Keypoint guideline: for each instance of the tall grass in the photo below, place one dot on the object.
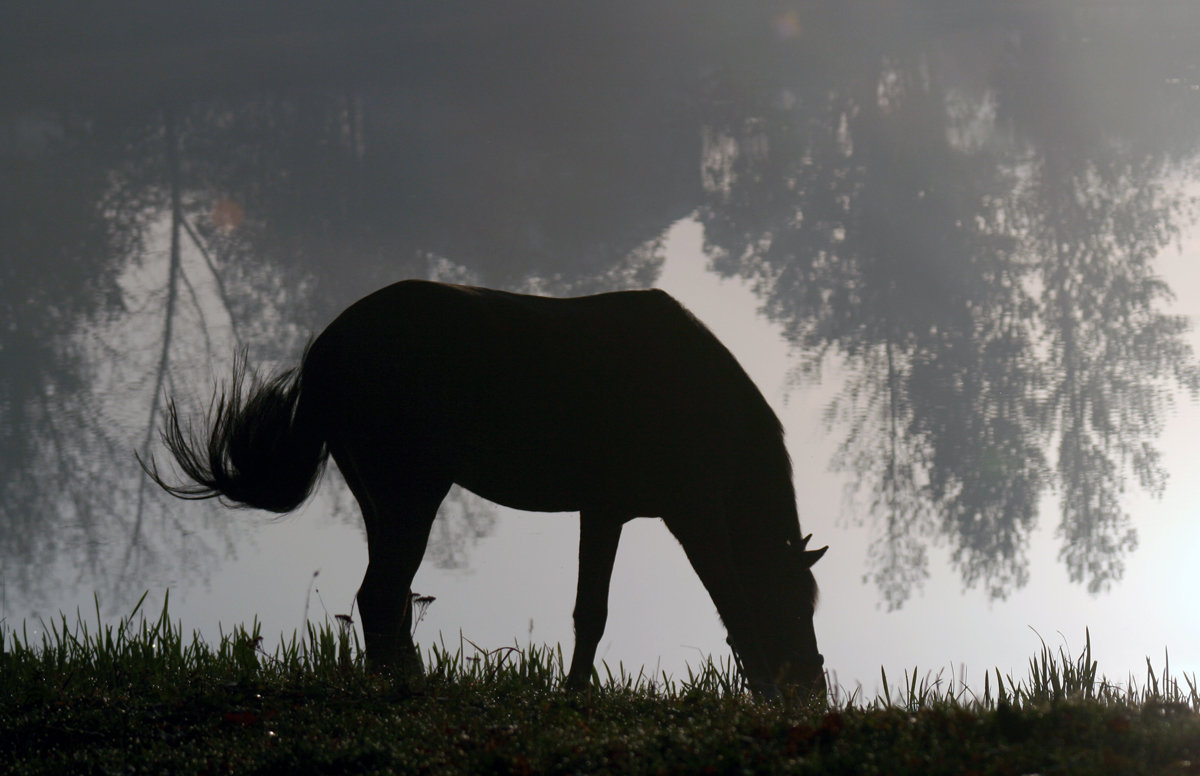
(1054, 676)
(153, 653)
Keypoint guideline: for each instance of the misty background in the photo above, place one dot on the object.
(954, 244)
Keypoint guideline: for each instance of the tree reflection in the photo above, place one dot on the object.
(463, 519)
(159, 228)
(988, 283)
(69, 486)
(962, 204)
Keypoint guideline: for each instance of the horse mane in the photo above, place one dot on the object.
(775, 461)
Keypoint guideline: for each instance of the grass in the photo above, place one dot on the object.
(140, 698)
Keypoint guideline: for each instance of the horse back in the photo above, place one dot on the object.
(622, 399)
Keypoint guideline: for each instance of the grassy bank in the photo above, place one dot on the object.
(141, 698)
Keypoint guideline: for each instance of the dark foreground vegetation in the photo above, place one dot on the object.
(139, 698)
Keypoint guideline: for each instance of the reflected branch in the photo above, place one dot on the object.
(216, 276)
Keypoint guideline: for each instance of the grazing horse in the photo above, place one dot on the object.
(617, 406)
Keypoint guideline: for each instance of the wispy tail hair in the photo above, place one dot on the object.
(261, 450)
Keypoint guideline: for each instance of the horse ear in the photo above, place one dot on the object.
(812, 556)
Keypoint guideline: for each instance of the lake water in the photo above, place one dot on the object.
(956, 250)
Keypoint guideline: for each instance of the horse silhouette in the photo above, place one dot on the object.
(617, 405)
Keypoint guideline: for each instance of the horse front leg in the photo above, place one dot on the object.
(599, 534)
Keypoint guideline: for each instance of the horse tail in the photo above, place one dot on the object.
(263, 450)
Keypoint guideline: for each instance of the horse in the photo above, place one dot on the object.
(615, 406)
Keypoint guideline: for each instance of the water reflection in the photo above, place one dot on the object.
(961, 207)
(980, 256)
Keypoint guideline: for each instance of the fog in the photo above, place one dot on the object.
(955, 247)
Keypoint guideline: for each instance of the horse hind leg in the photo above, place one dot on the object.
(398, 518)
(599, 534)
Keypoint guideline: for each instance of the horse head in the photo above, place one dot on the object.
(787, 660)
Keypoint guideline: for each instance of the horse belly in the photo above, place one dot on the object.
(637, 467)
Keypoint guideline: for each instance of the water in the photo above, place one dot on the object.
(933, 239)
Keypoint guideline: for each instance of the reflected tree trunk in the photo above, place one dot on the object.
(174, 271)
